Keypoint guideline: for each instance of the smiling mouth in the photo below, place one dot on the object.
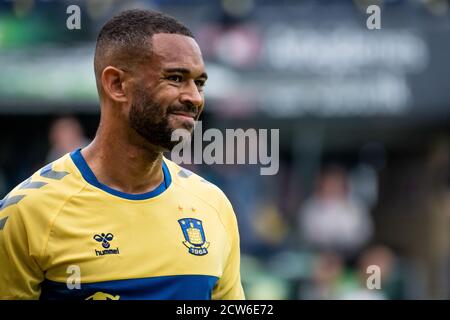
(184, 114)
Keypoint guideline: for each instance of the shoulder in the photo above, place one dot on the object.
(199, 187)
(29, 211)
(44, 192)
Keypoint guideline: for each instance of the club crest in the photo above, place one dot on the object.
(194, 236)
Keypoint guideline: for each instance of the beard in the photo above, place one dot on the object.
(151, 120)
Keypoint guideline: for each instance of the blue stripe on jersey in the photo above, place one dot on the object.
(181, 287)
(90, 177)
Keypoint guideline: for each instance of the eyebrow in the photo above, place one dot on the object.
(184, 71)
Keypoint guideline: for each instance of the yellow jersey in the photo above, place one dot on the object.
(65, 235)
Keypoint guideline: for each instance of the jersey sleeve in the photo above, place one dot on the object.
(20, 273)
(229, 286)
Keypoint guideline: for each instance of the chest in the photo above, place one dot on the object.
(113, 241)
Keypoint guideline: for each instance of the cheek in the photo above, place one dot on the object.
(151, 107)
(165, 99)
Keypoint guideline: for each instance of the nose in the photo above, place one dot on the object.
(191, 95)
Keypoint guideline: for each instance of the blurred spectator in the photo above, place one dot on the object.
(331, 279)
(327, 273)
(333, 221)
(380, 257)
(270, 226)
(66, 135)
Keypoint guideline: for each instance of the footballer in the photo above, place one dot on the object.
(117, 220)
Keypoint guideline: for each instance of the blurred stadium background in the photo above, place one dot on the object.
(364, 119)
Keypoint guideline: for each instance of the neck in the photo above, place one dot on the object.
(123, 161)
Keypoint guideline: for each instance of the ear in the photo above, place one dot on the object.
(113, 83)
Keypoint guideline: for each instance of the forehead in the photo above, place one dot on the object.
(177, 51)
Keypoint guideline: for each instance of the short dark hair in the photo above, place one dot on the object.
(126, 38)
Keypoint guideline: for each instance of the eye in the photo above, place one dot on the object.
(175, 78)
(200, 83)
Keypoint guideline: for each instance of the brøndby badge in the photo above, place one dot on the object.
(194, 236)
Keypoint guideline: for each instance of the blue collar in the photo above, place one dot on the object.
(89, 176)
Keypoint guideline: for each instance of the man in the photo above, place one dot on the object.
(65, 135)
(116, 220)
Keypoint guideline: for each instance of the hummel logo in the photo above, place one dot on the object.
(105, 239)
